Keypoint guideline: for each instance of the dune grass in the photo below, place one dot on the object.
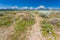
(21, 27)
(5, 20)
(22, 24)
(46, 28)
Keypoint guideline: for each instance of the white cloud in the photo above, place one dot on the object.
(14, 7)
(41, 6)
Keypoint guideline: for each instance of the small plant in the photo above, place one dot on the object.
(46, 28)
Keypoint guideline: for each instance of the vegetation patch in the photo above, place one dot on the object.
(48, 29)
(5, 20)
(22, 26)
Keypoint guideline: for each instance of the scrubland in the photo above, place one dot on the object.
(30, 25)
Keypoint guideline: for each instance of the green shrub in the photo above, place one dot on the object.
(46, 28)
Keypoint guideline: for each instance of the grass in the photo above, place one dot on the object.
(22, 25)
(54, 15)
(54, 35)
(49, 39)
(6, 21)
(46, 28)
(6, 18)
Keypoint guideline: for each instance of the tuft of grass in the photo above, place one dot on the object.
(54, 35)
(49, 39)
(46, 28)
(5, 20)
(22, 25)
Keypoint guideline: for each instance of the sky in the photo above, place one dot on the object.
(29, 3)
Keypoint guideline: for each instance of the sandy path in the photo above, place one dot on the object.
(35, 32)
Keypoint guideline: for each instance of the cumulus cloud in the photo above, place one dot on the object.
(41, 6)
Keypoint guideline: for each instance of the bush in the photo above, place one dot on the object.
(43, 15)
(47, 28)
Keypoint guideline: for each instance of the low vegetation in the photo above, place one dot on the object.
(54, 14)
(6, 19)
(24, 20)
(22, 25)
(50, 24)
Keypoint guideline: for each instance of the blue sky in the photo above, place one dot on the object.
(29, 3)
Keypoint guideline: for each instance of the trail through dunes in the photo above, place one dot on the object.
(35, 32)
